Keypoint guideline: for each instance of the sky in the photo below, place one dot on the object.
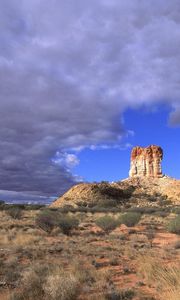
(81, 83)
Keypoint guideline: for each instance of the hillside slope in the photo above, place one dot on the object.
(137, 191)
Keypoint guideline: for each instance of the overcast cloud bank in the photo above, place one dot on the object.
(68, 71)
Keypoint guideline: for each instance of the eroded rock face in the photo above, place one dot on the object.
(146, 162)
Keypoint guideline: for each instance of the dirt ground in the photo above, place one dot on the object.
(139, 262)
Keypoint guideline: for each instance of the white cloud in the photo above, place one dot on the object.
(114, 146)
(66, 160)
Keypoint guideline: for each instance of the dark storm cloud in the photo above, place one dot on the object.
(68, 69)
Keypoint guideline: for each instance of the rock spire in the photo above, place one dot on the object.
(146, 162)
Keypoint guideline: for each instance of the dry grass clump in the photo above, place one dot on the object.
(165, 278)
(11, 272)
(90, 278)
(32, 284)
(64, 286)
(54, 282)
(12, 238)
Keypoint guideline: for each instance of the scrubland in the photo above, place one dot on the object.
(81, 254)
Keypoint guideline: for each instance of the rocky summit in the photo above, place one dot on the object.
(146, 161)
(146, 185)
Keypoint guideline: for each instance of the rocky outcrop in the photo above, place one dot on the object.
(146, 186)
(135, 191)
(91, 194)
(146, 162)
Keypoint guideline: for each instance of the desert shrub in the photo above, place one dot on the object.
(67, 208)
(2, 207)
(97, 209)
(107, 223)
(176, 210)
(110, 191)
(141, 210)
(34, 206)
(113, 261)
(46, 220)
(152, 198)
(10, 271)
(106, 203)
(15, 212)
(16, 205)
(64, 286)
(129, 218)
(150, 233)
(174, 225)
(44, 282)
(82, 204)
(120, 295)
(114, 192)
(161, 214)
(67, 223)
(83, 209)
(32, 284)
(177, 245)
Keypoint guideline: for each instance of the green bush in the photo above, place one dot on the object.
(67, 223)
(107, 223)
(15, 212)
(174, 225)
(129, 219)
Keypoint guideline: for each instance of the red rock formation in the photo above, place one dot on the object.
(146, 162)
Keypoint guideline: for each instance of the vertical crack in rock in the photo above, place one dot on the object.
(146, 162)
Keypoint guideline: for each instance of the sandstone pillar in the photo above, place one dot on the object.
(146, 162)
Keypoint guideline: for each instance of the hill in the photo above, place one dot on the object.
(133, 191)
